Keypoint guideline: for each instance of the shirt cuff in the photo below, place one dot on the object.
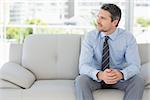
(125, 75)
(94, 73)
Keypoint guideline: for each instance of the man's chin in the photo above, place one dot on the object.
(101, 30)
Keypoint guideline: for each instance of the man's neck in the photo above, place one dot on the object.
(111, 31)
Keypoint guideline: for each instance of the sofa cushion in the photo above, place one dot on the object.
(11, 94)
(52, 56)
(7, 85)
(50, 90)
(144, 51)
(145, 70)
(17, 75)
(15, 53)
(65, 90)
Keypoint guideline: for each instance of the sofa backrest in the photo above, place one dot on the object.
(144, 51)
(55, 56)
(52, 56)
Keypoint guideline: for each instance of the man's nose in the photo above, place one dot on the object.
(98, 20)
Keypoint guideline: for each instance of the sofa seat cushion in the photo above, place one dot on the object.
(50, 90)
(59, 90)
(11, 94)
(65, 90)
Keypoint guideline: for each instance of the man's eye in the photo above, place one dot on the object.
(102, 18)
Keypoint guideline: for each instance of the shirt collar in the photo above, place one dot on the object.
(112, 36)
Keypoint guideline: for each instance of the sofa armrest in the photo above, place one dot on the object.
(145, 70)
(16, 74)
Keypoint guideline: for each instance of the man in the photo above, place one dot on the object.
(109, 59)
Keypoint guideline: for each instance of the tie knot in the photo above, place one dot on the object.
(106, 38)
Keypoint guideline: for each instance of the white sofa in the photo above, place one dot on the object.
(44, 67)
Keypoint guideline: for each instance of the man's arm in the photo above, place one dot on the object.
(132, 58)
(86, 65)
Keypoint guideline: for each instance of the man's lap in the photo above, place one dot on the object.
(121, 85)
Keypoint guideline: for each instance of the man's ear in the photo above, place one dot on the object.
(115, 22)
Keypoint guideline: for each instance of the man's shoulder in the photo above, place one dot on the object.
(125, 36)
(92, 34)
(124, 32)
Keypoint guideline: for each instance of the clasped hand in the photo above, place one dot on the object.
(110, 76)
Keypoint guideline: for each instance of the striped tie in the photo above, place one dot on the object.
(105, 60)
(105, 55)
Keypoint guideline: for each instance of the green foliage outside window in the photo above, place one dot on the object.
(35, 22)
(143, 22)
(20, 33)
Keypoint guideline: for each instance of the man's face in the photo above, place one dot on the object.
(104, 21)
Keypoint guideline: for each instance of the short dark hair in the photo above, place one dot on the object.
(114, 10)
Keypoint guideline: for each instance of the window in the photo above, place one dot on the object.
(19, 18)
(32, 16)
(141, 25)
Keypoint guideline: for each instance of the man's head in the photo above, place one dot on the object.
(108, 17)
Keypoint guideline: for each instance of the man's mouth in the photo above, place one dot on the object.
(99, 24)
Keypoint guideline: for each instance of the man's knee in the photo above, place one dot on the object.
(82, 80)
(138, 80)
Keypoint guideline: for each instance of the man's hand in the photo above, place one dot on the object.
(118, 74)
(110, 76)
